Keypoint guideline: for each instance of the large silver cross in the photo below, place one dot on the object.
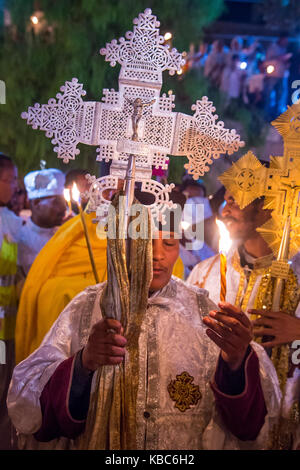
(110, 124)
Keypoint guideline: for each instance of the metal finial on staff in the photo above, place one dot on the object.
(281, 261)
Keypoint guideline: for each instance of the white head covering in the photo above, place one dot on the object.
(44, 183)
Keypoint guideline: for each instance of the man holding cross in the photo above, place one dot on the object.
(200, 384)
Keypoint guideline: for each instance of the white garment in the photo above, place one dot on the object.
(10, 225)
(33, 239)
(234, 84)
(196, 210)
(172, 341)
(232, 81)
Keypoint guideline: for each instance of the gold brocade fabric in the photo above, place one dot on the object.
(111, 421)
(281, 435)
(242, 300)
(289, 300)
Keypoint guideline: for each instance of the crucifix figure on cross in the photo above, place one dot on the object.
(138, 107)
(110, 124)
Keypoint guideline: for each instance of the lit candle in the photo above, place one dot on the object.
(224, 246)
(223, 270)
(76, 198)
(67, 197)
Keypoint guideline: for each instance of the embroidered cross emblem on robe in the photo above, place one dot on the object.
(184, 392)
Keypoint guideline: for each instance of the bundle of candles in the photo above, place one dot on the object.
(74, 195)
(224, 247)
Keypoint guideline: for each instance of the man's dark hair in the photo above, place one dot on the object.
(5, 162)
(72, 175)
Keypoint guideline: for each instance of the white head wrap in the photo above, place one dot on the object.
(44, 183)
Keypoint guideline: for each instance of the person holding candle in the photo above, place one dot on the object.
(248, 261)
(45, 189)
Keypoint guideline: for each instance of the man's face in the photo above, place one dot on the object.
(17, 202)
(49, 211)
(8, 183)
(165, 253)
(242, 223)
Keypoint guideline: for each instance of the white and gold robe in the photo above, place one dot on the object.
(242, 285)
(172, 341)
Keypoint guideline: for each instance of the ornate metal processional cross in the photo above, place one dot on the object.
(112, 123)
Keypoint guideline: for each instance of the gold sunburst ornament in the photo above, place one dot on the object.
(184, 392)
(248, 179)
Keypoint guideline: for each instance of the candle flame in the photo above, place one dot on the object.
(225, 241)
(34, 19)
(67, 195)
(75, 193)
(185, 225)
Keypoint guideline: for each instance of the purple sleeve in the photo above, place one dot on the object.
(57, 420)
(244, 412)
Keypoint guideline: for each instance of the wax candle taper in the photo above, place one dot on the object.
(224, 246)
(67, 196)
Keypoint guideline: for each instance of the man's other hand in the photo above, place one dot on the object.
(231, 330)
(283, 327)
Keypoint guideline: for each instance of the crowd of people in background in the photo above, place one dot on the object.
(45, 214)
(249, 71)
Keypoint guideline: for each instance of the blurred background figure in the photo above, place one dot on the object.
(196, 60)
(190, 251)
(48, 207)
(236, 49)
(215, 63)
(255, 87)
(251, 54)
(18, 201)
(277, 67)
(232, 83)
(10, 227)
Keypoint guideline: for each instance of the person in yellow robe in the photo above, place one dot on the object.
(61, 270)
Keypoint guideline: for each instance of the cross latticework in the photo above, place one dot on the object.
(108, 124)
